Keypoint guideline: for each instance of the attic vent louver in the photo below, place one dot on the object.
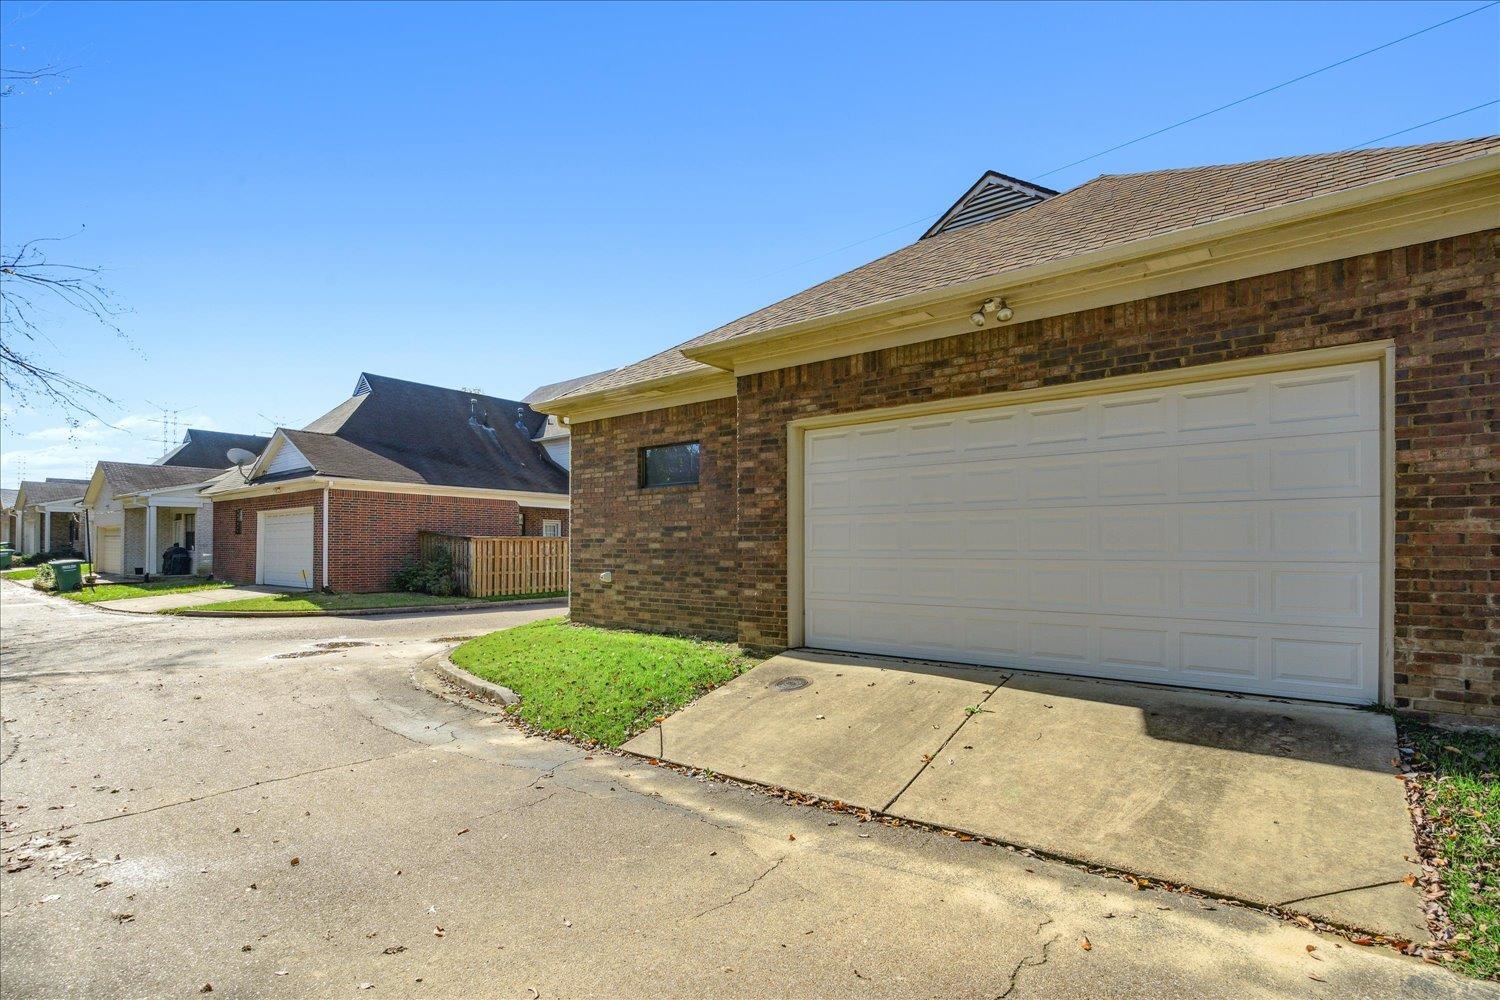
(363, 387)
(992, 197)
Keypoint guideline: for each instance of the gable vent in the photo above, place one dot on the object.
(363, 387)
(992, 197)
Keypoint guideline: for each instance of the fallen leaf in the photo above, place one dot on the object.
(394, 949)
(462, 832)
(790, 836)
(296, 862)
(1087, 945)
(438, 932)
(206, 988)
(1409, 879)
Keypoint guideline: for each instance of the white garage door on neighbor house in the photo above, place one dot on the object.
(1222, 534)
(284, 548)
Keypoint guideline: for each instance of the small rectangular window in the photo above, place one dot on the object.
(551, 529)
(239, 521)
(669, 465)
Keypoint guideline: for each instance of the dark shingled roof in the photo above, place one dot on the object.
(1107, 212)
(202, 449)
(130, 477)
(557, 389)
(46, 491)
(407, 432)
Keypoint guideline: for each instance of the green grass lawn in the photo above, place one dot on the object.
(598, 683)
(1461, 796)
(24, 573)
(350, 602)
(124, 591)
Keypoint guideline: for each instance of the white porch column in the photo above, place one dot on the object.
(153, 557)
(46, 530)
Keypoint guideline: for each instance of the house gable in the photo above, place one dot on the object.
(284, 457)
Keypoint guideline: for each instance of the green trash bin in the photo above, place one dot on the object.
(68, 573)
(5, 555)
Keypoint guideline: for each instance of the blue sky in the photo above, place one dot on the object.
(285, 195)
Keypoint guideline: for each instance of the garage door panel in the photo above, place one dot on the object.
(1334, 530)
(1315, 467)
(1333, 400)
(1222, 535)
(285, 547)
(1278, 593)
(1296, 661)
(111, 554)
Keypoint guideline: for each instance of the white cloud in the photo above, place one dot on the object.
(72, 451)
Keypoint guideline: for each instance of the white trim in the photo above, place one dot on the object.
(1382, 351)
(557, 501)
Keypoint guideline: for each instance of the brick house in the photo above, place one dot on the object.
(1226, 427)
(337, 505)
(46, 517)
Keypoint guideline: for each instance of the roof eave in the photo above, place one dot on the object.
(724, 354)
(677, 389)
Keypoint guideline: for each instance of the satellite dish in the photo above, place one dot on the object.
(240, 456)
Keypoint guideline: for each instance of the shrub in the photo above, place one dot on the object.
(45, 579)
(427, 576)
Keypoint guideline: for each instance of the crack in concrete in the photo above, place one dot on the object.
(943, 746)
(222, 791)
(1340, 892)
(1029, 961)
(743, 892)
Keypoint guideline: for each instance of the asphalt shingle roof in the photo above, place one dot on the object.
(562, 388)
(48, 490)
(407, 432)
(202, 449)
(1109, 211)
(129, 477)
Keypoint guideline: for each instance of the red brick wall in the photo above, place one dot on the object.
(234, 555)
(672, 548)
(1437, 301)
(532, 518)
(375, 534)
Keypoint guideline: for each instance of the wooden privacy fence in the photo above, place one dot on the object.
(501, 566)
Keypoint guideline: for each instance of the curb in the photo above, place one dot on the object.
(476, 686)
(427, 609)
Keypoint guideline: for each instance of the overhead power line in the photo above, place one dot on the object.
(1188, 121)
(1272, 89)
(1413, 128)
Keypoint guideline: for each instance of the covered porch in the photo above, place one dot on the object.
(162, 533)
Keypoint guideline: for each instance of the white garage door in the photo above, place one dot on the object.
(1222, 535)
(286, 548)
(111, 555)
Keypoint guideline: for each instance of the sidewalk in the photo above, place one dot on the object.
(171, 602)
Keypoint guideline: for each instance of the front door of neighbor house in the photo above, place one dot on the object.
(1222, 534)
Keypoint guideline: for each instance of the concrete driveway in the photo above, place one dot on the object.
(161, 774)
(1278, 803)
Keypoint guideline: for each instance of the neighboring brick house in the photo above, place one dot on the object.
(1225, 427)
(338, 505)
(46, 516)
(135, 513)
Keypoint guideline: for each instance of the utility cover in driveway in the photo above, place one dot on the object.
(1279, 803)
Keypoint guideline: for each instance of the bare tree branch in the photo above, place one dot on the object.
(30, 282)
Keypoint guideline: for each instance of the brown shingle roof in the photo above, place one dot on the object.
(1109, 211)
(132, 477)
